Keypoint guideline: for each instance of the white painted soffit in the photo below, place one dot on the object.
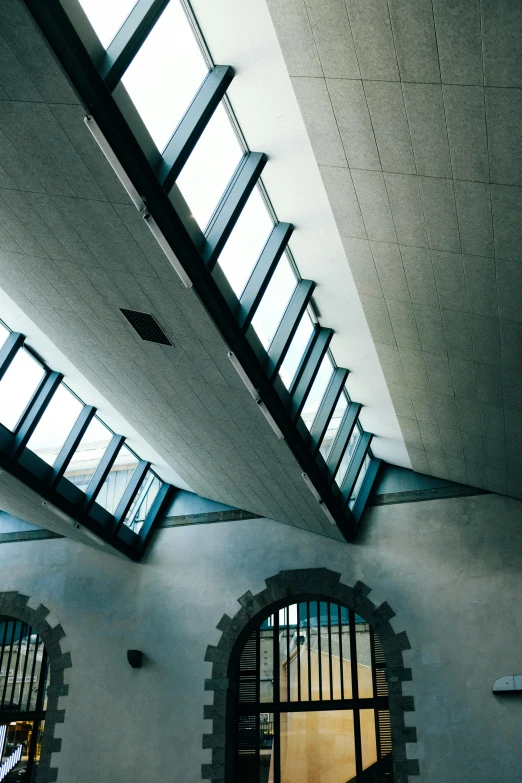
(241, 33)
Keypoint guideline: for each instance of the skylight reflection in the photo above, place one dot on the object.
(210, 167)
(55, 425)
(296, 351)
(17, 387)
(239, 256)
(315, 397)
(107, 17)
(274, 302)
(165, 75)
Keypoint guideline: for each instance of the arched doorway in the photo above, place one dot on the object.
(24, 680)
(312, 698)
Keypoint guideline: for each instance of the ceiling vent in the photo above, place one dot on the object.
(146, 326)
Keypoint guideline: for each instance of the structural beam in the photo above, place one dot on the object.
(193, 124)
(327, 407)
(103, 470)
(229, 209)
(130, 493)
(366, 488)
(288, 326)
(128, 40)
(356, 464)
(71, 444)
(308, 369)
(151, 520)
(262, 273)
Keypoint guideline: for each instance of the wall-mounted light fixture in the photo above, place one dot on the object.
(135, 658)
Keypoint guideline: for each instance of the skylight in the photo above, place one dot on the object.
(107, 17)
(317, 392)
(274, 302)
(17, 387)
(296, 351)
(166, 74)
(55, 425)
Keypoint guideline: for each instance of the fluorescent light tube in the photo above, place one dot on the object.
(311, 487)
(57, 511)
(162, 242)
(270, 419)
(113, 160)
(244, 377)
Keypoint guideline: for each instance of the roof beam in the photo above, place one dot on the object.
(356, 464)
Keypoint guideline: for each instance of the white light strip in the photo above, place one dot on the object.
(311, 487)
(318, 497)
(113, 160)
(268, 416)
(255, 394)
(162, 242)
(244, 377)
(57, 511)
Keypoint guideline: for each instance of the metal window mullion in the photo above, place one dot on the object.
(149, 524)
(127, 41)
(130, 493)
(9, 351)
(288, 326)
(327, 407)
(35, 411)
(103, 470)
(262, 273)
(26, 662)
(231, 205)
(194, 122)
(277, 700)
(355, 694)
(4, 692)
(308, 369)
(355, 465)
(365, 489)
(342, 438)
(17, 664)
(65, 455)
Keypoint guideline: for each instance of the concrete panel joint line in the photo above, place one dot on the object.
(285, 587)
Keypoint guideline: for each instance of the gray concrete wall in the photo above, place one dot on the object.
(449, 568)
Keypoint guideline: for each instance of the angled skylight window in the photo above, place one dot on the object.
(296, 351)
(17, 387)
(210, 167)
(107, 17)
(316, 394)
(116, 482)
(166, 73)
(247, 240)
(358, 483)
(4, 334)
(143, 502)
(347, 457)
(55, 425)
(274, 302)
(87, 456)
(333, 425)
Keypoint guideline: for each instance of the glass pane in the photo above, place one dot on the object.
(316, 394)
(116, 482)
(209, 169)
(266, 668)
(165, 75)
(347, 456)
(360, 479)
(317, 746)
(364, 658)
(87, 456)
(333, 425)
(107, 18)
(143, 501)
(246, 242)
(368, 738)
(266, 733)
(296, 351)
(17, 387)
(15, 743)
(55, 425)
(4, 334)
(274, 302)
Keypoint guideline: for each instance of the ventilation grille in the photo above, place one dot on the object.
(248, 670)
(146, 326)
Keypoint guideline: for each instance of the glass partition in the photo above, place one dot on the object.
(18, 386)
(56, 424)
(210, 167)
(166, 73)
(107, 17)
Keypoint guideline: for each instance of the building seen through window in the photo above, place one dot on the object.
(312, 700)
(24, 679)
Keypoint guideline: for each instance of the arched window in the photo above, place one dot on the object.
(312, 699)
(24, 679)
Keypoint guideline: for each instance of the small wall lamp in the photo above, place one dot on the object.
(135, 658)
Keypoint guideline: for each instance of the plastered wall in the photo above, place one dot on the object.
(451, 570)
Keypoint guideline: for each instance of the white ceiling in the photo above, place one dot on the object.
(414, 112)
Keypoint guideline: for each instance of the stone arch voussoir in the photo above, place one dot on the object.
(15, 605)
(294, 584)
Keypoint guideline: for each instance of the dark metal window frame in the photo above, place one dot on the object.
(149, 178)
(49, 481)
